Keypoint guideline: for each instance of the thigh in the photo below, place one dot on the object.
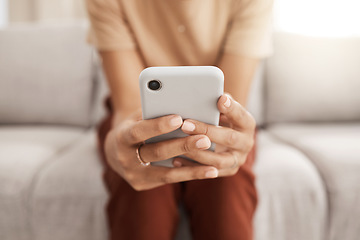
(223, 208)
(150, 214)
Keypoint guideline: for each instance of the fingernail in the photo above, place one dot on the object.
(203, 143)
(227, 102)
(176, 121)
(213, 173)
(188, 126)
(177, 163)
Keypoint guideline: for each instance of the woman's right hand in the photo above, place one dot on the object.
(124, 138)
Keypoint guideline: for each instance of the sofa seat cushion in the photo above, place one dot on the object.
(292, 199)
(335, 150)
(69, 194)
(24, 151)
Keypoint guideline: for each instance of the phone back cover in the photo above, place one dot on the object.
(189, 91)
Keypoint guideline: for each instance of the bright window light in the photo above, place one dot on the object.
(325, 18)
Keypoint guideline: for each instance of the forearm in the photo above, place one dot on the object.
(122, 69)
(239, 72)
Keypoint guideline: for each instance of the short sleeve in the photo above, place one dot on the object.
(108, 27)
(249, 32)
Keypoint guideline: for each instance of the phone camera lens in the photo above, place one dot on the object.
(154, 85)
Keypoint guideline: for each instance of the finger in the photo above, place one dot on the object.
(154, 152)
(224, 121)
(183, 162)
(142, 130)
(173, 175)
(221, 135)
(237, 114)
(223, 160)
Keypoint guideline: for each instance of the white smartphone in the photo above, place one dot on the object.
(189, 91)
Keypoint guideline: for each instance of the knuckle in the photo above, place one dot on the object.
(233, 171)
(134, 134)
(130, 178)
(242, 161)
(206, 129)
(158, 152)
(197, 175)
(219, 164)
(123, 161)
(117, 135)
(160, 127)
(186, 146)
(136, 183)
(166, 178)
(232, 139)
(193, 154)
(248, 145)
(201, 128)
(137, 187)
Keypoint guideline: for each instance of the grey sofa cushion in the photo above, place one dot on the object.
(45, 75)
(69, 197)
(335, 150)
(292, 199)
(23, 152)
(313, 79)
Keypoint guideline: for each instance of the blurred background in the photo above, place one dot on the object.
(335, 18)
(305, 99)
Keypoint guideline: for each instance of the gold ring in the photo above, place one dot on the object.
(142, 162)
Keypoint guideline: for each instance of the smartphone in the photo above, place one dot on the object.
(189, 91)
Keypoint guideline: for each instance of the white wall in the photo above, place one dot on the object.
(3, 13)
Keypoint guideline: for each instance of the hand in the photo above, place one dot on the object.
(233, 142)
(123, 140)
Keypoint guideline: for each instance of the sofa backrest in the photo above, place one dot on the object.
(313, 79)
(50, 75)
(46, 75)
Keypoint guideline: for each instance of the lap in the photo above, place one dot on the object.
(227, 202)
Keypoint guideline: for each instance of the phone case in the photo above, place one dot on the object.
(189, 91)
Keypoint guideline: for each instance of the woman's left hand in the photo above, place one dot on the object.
(234, 138)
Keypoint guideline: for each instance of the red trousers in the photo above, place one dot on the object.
(221, 208)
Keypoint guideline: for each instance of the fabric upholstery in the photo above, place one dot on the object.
(69, 193)
(313, 79)
(24, 151)
(50, 177)
(68, 199)
(46, 75)
(292, 199)
(335, 150)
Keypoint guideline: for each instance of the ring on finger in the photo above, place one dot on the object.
(142, 162)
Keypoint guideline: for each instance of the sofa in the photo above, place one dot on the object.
(305, 99)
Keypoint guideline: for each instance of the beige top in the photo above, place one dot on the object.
(182, 32)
